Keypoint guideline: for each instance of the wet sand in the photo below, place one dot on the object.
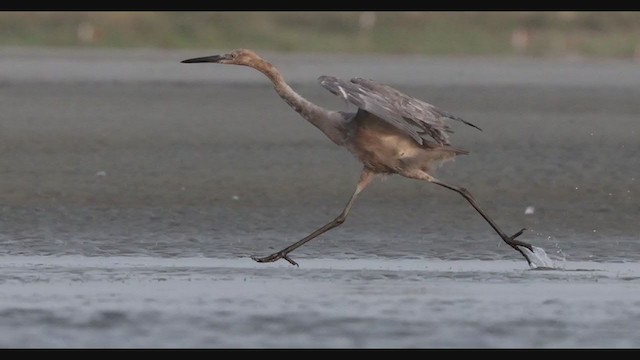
(181, 172)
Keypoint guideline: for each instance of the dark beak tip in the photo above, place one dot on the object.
(206, 59)
(191, 61)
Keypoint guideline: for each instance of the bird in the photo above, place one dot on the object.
(390, 133)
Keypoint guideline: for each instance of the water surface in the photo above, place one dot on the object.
(135, 188)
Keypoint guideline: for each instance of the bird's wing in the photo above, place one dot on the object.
(414, 117)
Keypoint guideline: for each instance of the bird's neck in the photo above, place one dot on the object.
(325, 120)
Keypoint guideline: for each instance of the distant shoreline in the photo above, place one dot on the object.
(535, 34)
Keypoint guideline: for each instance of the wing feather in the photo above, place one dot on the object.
(414, 117)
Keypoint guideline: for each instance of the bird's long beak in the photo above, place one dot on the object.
(208, 59)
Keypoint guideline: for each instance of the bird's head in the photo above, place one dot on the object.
(236, 57)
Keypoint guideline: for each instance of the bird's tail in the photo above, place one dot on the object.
(446, 147)
(457, 150)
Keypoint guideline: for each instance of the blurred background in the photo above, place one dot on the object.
(100, 117)
(567, 33)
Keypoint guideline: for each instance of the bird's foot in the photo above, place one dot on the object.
(275, 257)
(513, 242)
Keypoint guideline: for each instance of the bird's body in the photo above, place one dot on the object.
(390, 133)
(382, 148)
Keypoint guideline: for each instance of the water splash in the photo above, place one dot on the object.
(539, 259)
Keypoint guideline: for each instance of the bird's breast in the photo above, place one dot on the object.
(381, 146)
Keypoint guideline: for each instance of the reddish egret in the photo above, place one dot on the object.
(391, 133)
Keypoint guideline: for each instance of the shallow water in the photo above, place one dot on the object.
(135, 188)
(367, 302)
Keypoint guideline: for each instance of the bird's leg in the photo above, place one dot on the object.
(510, 240)
(365, 179)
